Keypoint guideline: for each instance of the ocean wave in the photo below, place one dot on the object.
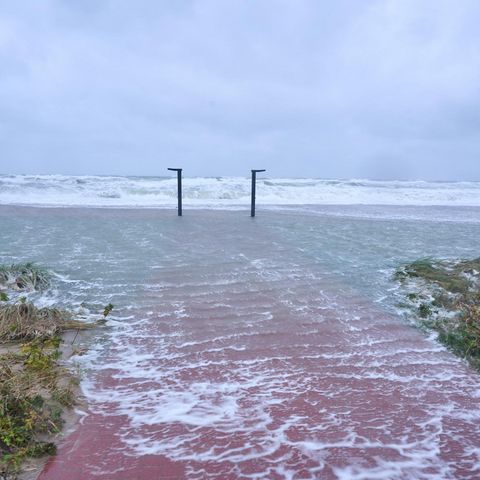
(218, 192)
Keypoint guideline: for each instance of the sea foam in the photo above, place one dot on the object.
(223, 192)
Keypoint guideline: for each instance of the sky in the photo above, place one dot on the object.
(380, 89)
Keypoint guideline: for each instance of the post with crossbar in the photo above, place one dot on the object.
(179, 188)
(254, 180)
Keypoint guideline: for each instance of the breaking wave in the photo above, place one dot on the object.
(226, 192)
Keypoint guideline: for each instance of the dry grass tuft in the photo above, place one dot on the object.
(24, 321)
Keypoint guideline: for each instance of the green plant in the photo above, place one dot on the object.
(41, 354)
(107, 310)
(424, 310)
(30, 402)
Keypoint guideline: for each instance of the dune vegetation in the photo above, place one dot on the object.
(444, 296)
(35, 386)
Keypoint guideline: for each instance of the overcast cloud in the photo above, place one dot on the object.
(333, 88)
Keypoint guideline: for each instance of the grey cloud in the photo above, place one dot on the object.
(384, 88)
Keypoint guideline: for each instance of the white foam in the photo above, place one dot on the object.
(227, 192)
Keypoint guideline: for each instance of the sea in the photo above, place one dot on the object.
(271, 347)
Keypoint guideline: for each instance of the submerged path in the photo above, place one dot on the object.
(247, 361)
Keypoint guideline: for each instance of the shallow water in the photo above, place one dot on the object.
(257, 348)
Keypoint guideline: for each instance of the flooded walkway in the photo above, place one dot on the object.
(247, 360)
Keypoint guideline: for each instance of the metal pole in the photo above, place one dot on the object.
(254, 180)
(179, 191)
(179, 188)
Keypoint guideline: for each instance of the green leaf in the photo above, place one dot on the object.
(107, 309)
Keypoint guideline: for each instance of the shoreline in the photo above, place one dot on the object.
(432, 214)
